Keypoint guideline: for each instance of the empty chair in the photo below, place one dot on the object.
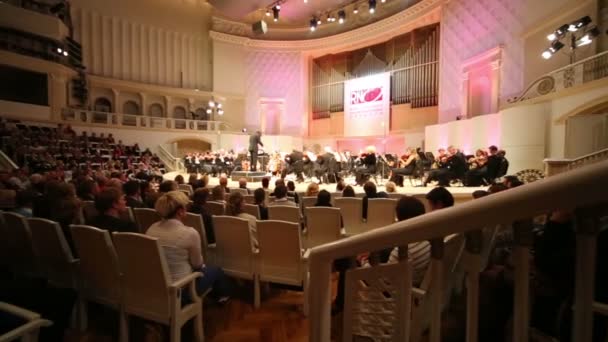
(53, 255)
(252, 209)
(234, 252)
(351, 208)
(99, 271)
(323, 225)
(216, 208)
(380, 212)
(284, 213)
(149, 292)
(145, 217)
(19, 243)
(308, 201)
(196, 221)
(30, 327)
(89, 212)
(281, 258)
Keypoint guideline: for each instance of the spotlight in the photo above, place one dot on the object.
(305, 1)
(65, 53)
(341, 16)
(382, 1)
(219, 105)
(220, 112)
(328, 18)
(275, 12)
(355, 10)
(59, 50)
(209, 111)
(547, 54)
(556, 46)
(244, 130)
(211, 103)
(582, 22)
(372, 6)
(313, 24)
(552, 37)
(588, 37)
(319, 21)
(267, 13)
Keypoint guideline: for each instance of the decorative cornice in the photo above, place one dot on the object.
(488, 57)
(423, 13)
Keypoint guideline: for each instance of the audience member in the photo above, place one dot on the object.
(87, 190)
(440, 198)
(243, 184)
(280, 197)
(236, 203)
(348, 191)
(479, 194)
(224, 184)
(259, 196)
(323, 199)
(291, 191)
(391, 187)
(179, 179)
(218, 194)
(24, 202)
(498, 187)
(110, 204)
(132, 191)
(340, 185)
(175, 236)
(312, 190)
(199, 199)
(265, 183)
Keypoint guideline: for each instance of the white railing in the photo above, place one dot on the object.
(139, 121)
(587, 70)
(169, 160)
(583, 190)
(555, 166)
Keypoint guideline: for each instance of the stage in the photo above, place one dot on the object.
(460, 193)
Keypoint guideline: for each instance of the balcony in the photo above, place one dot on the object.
(35, 18)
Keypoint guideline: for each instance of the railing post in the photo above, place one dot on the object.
(587, 228)
(436, 288)
(320, 300)
(471, 260)
(522, 234)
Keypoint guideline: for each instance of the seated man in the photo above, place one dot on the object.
(368, 165)
(453, 166)
(280, 194)
(110, 204)
(294, 164)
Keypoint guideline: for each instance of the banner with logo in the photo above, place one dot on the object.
(367, 105)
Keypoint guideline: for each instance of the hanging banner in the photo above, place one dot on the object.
(367, 105)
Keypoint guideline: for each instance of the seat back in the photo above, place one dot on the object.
(19, 242)
(99, 271)
(53, 254)
(380, 212)
(196, 221)
(308, 201)
(233, 251)
(145, 217)
(89, 212)
(187, 188)
(252, 209)
(280, 257)
(216, 208)
(240, 190)
(394, 195)
(284, 213)
(323, 225)
(351, 209)
(145, 289)
(249, 199)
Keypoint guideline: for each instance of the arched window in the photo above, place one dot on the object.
(179, 112)
(156, 110)
(102, 104)
(131, 107)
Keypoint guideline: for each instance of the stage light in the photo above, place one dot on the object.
(328, 18)
(372, 6)
(313, 24)
(547, 54)
(588, 37)
(382, 1)
(275, 12)
(341, 16)
(268, 13)
(582, 22)
(556, 46)
(59, 50)
(220, 112)
(219, 105)
(209, 111)
(355, 10)
(65, 53)
(552, 37)
(211, 103)
(305, 1)
(244, 130)
(319, 21)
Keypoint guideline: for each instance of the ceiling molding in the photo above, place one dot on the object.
(421, 14)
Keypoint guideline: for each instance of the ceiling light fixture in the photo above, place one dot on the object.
(372, 6)
(355, 10)
(341, 16)
(313, 24)
(275, 12)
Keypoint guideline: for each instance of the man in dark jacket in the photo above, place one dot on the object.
(254, 140)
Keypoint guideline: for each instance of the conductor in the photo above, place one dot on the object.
(254, 140)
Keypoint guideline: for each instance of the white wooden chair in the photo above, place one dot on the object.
(252, 209)
(100, 275)
(53, 254)
(234, 250)
(149, 292)
(19, 243)
(145, 217)
(196, 221)
(380, 212)
(216, 208)
(29, 330)
(281, 258)
(187, 188)
(351, 209)
(284, 213)
(307, 202)
(323, 225)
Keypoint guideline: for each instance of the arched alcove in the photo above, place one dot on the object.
(131, 108)
(179, 112)
(156, 110)
(102, 104)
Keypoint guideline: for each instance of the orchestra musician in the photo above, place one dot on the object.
(326, 169)
(368, 161)
(405, 166)
(275, 164)
(483, 167)
(293, 164)
(450, 166)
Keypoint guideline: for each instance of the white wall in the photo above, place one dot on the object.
(148, 41)
(24, 111)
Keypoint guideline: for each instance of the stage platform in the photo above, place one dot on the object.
(460, 193)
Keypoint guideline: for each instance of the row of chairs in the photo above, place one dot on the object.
(108, 271)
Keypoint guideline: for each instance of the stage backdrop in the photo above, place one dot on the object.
(367, 106)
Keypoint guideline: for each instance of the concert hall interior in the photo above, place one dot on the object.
(303, 170)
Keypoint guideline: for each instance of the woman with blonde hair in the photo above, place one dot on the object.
(182, 245)
(312, 190)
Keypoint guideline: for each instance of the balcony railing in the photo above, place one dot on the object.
(387, 303)
(585, 71)
(555, 166)
(139, 121)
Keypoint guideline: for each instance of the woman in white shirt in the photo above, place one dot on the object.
(182, 245)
